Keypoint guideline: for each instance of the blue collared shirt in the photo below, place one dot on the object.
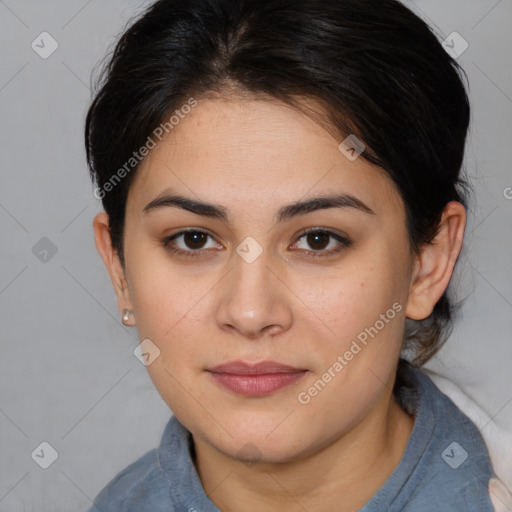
(445, 466)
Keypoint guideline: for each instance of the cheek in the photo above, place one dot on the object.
(364, 309)
(163, 297)
(355, 295)
(169, 310)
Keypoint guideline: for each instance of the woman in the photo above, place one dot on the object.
(284, 209)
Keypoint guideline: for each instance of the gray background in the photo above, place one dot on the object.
(68, 375)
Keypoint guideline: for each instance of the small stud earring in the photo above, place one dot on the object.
(126, 316)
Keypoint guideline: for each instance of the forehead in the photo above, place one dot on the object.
(237, 150)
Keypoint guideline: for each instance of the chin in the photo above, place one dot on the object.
(253, 442)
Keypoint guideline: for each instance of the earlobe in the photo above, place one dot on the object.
(112, 262)
(434, 265)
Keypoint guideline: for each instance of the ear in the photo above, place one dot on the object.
(112, 261)
(433, 267)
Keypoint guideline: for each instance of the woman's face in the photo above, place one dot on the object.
(250, 285)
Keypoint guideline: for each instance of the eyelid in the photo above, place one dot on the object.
(166, 241)
(329, 231)
(342, 239)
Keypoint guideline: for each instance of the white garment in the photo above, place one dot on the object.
(498, 441)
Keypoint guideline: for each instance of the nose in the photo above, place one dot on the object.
(254, 301)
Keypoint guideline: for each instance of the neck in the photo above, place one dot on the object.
(341, 477)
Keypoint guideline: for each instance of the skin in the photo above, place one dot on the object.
(252, 157)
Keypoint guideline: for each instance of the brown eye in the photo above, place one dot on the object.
(189, 243)
(195, 239)
(318, 240)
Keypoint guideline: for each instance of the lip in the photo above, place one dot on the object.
(243, 368)
(255, 379)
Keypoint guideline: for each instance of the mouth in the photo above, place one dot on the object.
(255, 379)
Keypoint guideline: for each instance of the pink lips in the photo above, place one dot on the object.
(255, 379)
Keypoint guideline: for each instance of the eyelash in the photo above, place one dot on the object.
(344, 243)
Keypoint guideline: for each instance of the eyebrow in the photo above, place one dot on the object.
(285, 213)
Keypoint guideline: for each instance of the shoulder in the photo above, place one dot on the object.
(446, 465)
(137, 487)
(164, 479)
(463, 449)
(457, 461)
